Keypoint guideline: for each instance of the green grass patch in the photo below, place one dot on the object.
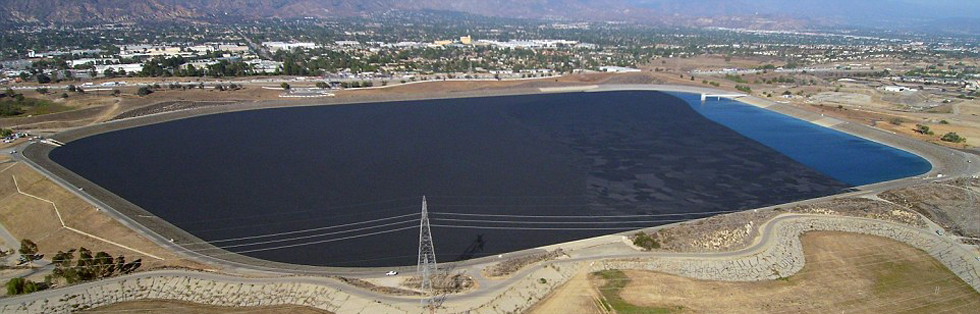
(735, 78)
(29, 106)
(891, 277)
(615, 281)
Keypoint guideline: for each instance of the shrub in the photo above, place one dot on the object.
(896, 121)
(645, 241)
(19, 285)
(953, 138)
(923, 129)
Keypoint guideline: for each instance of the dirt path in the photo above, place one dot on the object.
(169, 307)
(576, 296)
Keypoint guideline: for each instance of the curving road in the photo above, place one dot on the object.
(491, 289)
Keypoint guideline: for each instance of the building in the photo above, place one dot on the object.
(898, 89)
(267, 66)
(77, 62)
(129, 67)
(616, 69)
(278, 45)
(466, 40)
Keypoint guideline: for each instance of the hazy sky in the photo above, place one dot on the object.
(850, 9)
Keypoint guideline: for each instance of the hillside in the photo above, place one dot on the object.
(944, 15)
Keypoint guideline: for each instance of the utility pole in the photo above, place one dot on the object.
(427, 258)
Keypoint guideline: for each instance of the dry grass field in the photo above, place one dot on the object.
(175, 307)
(845, 273)
(30, 218)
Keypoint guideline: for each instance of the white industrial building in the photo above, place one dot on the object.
(616, 69)
(278, 45)
(129, 67)
(899, 89)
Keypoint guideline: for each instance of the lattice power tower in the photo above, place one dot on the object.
(427, 257)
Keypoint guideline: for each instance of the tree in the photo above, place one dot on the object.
(18, 285)
(43, 78)
(15, 286)
(923, 129)
(84, 266)
(41, 90)
(143, 91)
(285, 86)
(71, 88)
(321, 85)
(116, 92)
(952, 137)
(28, 251)
(104, 265)
(62, 263)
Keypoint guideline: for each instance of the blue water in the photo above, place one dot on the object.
(839, 155)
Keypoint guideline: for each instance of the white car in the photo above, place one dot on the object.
(391, 273)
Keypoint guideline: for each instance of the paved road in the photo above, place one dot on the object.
(767, 239)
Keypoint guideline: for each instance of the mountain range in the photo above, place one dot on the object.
(888, 14)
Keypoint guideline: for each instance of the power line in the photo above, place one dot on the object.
(293, 221)
(308, 230)
(279, 213)
(585, 216)
(556, 222)
(314, 235)
(322, 241)
(533, 228)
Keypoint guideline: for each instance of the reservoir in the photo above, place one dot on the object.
(342, 185)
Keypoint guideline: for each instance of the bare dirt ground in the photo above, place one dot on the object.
(29, 218)
(733, 231)
(844, 273)
(505, 268)
(953, 205)
(858, 101)
(172, 307)
(861, 101)
(575, 296)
